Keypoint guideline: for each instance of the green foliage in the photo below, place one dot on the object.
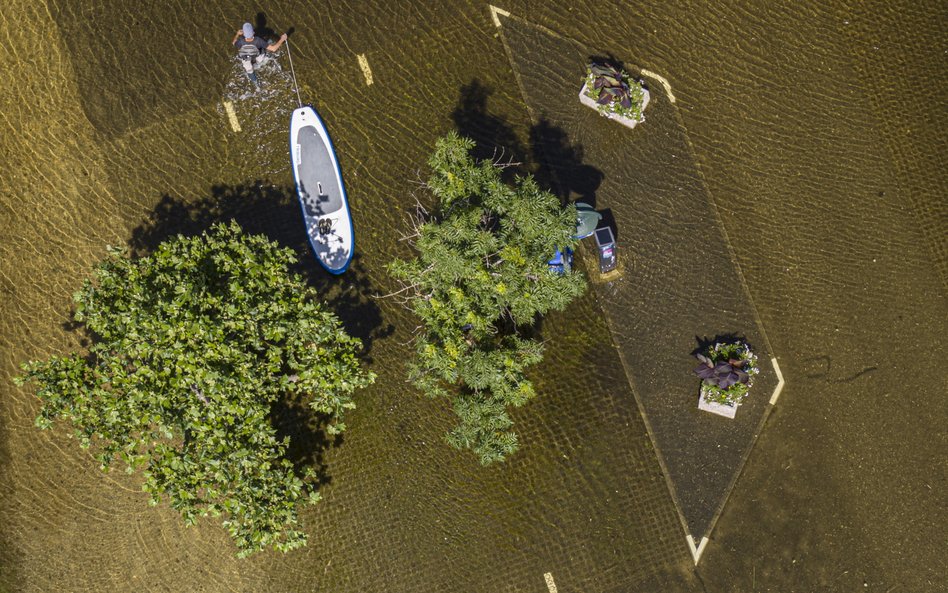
(191, 346)
(614, 91)
(727, 372)
(480, 278)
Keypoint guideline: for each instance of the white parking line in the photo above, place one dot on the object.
(663, 81)
(780, 381)
(232, 115)
(494, 12)
(366, 71)
(548, 577)
(696, 551)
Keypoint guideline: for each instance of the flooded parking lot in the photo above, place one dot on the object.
(817, 133)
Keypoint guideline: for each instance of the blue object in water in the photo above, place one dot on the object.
(562, 261)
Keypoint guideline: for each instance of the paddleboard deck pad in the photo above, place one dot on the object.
(321, 191)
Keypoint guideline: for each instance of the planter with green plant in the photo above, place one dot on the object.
(614, 94)
(727, 372)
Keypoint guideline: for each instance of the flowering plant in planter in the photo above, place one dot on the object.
(614, 91)
(727, 372)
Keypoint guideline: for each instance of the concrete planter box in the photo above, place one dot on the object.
(625, 121)
(728, 411)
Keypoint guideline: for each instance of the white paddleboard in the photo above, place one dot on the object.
(321, 191)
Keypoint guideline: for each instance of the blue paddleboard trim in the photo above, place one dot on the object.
(342, 187)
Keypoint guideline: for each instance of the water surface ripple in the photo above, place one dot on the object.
(819, 133)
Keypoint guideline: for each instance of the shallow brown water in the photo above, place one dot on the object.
(819, 135)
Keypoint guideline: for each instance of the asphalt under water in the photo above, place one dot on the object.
(819, 135)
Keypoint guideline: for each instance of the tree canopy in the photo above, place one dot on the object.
(191, 346)
(478, 284)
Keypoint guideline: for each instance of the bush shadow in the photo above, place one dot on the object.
(274, 211)
(559, 168)
(609, 59)
(704, 342)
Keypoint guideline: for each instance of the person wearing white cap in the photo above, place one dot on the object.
(249, 48)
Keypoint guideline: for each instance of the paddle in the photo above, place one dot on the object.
(289, 54)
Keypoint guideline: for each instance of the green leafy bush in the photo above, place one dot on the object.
(727, 372)
(480, 278)
(190, 347)
(614, 91)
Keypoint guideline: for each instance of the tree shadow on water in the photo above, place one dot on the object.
(264, 209)
(292, 417)
(261, 208)
(555, 162)
(493, 137)
(560, 167)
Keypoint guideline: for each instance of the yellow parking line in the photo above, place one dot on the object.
(232, 115)
(366, 71)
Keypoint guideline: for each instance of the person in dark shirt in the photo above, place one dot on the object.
(250, 48)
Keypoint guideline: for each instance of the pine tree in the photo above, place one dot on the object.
(191, 346)
(481, 279)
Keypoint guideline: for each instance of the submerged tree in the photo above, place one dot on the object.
(480, 280)
(190, 347)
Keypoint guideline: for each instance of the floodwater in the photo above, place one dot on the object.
(818, 132)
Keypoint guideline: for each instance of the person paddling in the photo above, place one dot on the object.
(250, 48)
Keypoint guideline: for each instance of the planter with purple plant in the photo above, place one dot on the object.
(727, 372)
(614, 94)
